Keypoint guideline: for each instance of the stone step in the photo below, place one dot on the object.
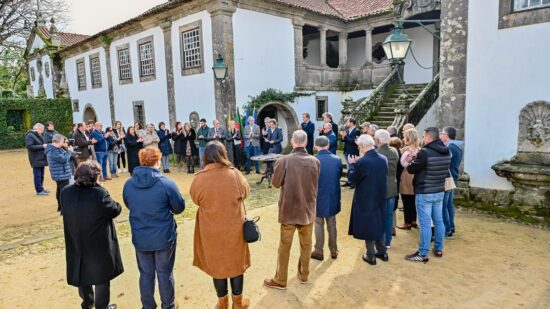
(384, 118)
(386, 114)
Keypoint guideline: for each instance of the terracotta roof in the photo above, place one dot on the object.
(65, 38)
(353, 9)
(345, 9)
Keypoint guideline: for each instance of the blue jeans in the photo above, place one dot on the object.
(252, 151)
(429, 206)
(161, 264)
(165, 162)
(388, 222)
(449, 211)
(201, 160)
(113, 158)
(101, 158)
(38, 176)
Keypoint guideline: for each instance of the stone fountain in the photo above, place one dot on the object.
(529, 169)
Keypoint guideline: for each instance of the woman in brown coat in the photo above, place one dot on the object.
(412, 146)
(219, 246)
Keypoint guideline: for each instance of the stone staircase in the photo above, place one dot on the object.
(401, 95)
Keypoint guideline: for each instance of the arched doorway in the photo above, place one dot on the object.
(284, 114)
(89, 113)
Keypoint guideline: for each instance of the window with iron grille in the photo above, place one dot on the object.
(530, 4)
(95, 69)
(192, 54)
(322, 107)
(139, 113)
(146, 59)
(191, 48)
(124, 65)
(81, 74)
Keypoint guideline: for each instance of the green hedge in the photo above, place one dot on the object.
(31, 111)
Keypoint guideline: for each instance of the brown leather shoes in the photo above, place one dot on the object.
(317, 256)
(273, 285)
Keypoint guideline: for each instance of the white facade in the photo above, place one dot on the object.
(97, 98)
(507, 69)
(46, 70)
(194, 93)
(151, 93)
(262, 61)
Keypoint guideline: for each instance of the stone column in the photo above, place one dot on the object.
(221, 13)
(167, 31)
(368, 45)
(107, 48)
(452, 89)
(343, 50)
(323, 44)
(298, 49)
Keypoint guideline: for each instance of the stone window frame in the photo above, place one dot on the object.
(325, 110)
(47, 69)
(508, 18)
(151, 77)
(186, 28)
(124, 81)
(81, 87)
(136, 105)
(96, 83)
(76, 106)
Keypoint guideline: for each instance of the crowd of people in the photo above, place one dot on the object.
(381, 168)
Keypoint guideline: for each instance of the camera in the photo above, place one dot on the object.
(71, 142)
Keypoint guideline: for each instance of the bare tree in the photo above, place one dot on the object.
(17, 18)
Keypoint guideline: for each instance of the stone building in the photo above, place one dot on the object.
(472, 64)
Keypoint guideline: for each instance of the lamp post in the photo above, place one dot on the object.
(220, 74)
(397, 44)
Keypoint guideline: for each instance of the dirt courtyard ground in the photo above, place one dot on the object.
(490, 264)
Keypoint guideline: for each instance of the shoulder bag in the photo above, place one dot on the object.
(251, 231)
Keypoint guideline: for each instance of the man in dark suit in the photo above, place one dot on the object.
(328, 198)
(368, 211)
(349, 136)
(308, 127)
(83, 142)
(274, 137)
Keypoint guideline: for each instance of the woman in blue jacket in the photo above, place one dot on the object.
(165, 146)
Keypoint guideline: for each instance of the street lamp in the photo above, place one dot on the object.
(396, 45)
(220, 69)
(220, 74)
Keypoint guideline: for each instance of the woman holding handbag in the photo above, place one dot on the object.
(219, 246)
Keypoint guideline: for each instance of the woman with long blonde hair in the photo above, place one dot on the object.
(412, 146)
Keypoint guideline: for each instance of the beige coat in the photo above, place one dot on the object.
(219, 246)
(406, 183)
(297, 174)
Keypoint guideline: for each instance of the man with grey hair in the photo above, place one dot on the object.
(369, 174)
(217, 132)
(34, 142)
(382, 141)
(265, 134)
(59, 155)
(327, 130)
(297, 174)
(392, 130)
(328, 198)
(372, 129)
(252, 143)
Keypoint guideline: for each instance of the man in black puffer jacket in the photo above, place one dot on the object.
(430, 167)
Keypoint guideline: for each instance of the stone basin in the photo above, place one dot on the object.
(530, 180)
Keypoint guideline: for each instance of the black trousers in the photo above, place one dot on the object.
(376, 246)
(236, 286)
(60, 185)
(101, 299)
(121, 158)
(409, 208)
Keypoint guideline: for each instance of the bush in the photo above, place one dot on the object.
(24, 113)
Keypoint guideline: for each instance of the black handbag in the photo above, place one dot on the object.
(251, 231)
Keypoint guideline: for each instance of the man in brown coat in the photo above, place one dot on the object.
(297, 174)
